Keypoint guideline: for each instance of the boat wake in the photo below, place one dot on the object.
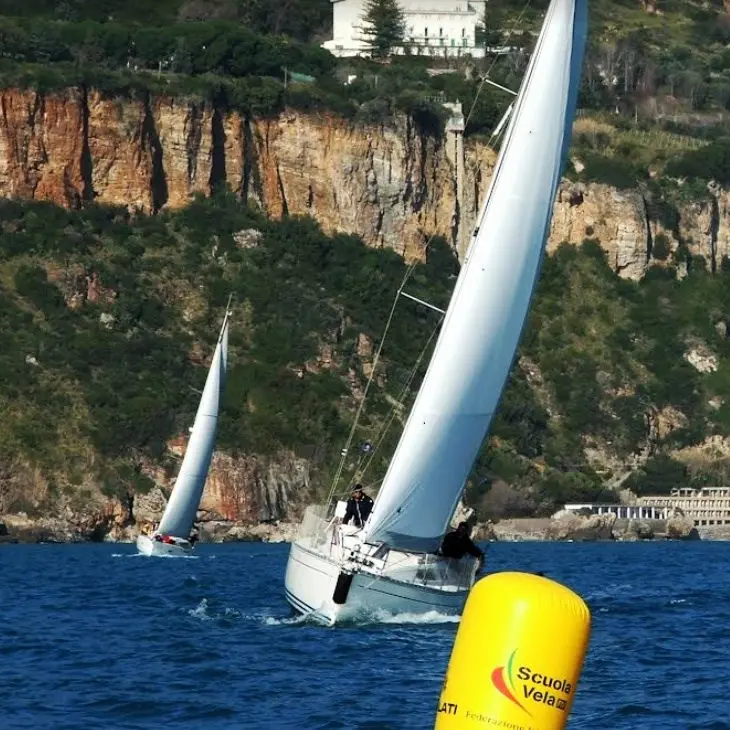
(204, 612)
(288, 621)
(141, 555)
(380, 616)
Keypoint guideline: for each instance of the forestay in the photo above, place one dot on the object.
(482, 327)
(180, 512)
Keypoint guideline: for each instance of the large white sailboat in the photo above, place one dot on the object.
(172, 536)
(392, 563)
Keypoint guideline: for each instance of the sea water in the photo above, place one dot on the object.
(93, 636)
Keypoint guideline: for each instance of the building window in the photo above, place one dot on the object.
(463, 32)
(453, 42)
(465, 42)
(441, 31)
(425, 32)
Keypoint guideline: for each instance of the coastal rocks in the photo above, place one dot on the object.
(267, 532)
(633, 530)
(147, 508)
(463, 513)
(522, 529)
(571, 526)
(484, 532)
(252, 489)
(24, 529)
(681, 528)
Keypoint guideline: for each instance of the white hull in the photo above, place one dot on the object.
(152, 548)
(401, 583)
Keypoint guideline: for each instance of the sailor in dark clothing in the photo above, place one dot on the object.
(458, 543)
(359, 507)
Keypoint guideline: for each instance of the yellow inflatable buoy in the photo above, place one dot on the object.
(517, 656)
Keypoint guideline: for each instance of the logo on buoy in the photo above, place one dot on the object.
(535, 686)
(501, 685)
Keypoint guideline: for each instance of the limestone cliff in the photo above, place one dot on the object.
(393, 186)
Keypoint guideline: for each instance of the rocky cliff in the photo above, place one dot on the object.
(392, 186)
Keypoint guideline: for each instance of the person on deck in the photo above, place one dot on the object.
(359, 507)
(458, 543)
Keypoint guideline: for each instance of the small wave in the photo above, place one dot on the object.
(204, 612)
(610, 591)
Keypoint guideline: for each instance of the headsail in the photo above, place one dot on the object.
(484, 321)
(180, 512)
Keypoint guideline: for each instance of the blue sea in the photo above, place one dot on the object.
(92, 636)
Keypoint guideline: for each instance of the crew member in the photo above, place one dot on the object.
(359, 507)
(458, 543)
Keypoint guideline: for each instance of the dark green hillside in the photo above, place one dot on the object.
(98, 376)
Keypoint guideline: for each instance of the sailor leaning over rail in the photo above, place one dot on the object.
(359, 507)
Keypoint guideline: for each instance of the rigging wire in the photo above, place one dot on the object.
(492, 64)
(399, 403)
(376, 359)
(409, 271)
(385, 426)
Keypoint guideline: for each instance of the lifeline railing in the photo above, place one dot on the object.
(437, 571)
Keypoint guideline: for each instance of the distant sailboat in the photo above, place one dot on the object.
(393, 563)
(172, 536)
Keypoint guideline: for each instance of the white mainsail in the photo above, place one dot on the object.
(484, 321)
(180, 512)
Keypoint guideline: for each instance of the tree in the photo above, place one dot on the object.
(488, 33)
(383, 26)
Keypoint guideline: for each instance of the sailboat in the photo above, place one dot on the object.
(173, 535)
(393, 563)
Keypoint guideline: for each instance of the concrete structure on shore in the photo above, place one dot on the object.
(625, 511)
(708, 506)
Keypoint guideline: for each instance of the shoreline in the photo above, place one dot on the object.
(15, 530)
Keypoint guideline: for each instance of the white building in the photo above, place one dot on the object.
(433, 27)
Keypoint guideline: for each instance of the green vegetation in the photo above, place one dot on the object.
(96, 385)
(98, 376)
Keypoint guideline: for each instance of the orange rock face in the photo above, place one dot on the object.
(392, 186)
(40, 145)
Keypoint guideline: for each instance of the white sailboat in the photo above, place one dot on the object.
(393, 564)
(172, 536)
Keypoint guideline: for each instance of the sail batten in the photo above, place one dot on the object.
(182, 507)
(484, 321)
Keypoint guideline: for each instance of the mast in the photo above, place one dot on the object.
(483, 324)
